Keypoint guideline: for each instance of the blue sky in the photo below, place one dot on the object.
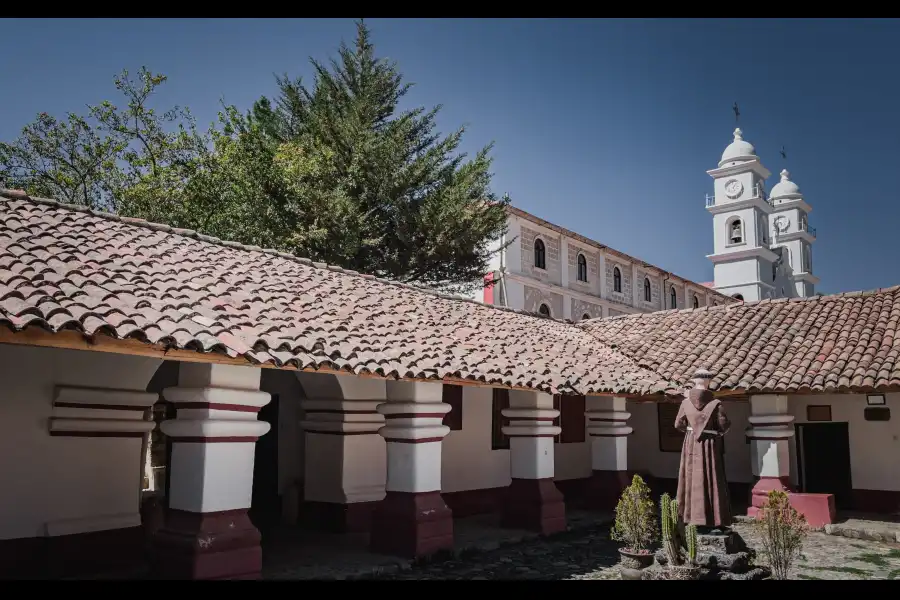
(606, 127)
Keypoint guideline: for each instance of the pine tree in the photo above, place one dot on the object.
(429, 216)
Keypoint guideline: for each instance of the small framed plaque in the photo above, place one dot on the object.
(875, 400)
(818, 412)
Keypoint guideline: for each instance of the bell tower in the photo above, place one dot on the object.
(742, 258)
(792, 238)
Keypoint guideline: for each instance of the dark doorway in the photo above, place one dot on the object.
(823, 461)
(265, 509)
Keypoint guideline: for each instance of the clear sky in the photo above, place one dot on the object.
(606, 127)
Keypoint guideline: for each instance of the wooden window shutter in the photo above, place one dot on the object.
(573, 420)
(499, 402)
(453, 395)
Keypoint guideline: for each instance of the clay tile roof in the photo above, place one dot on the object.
(841, 343)
(69, 268)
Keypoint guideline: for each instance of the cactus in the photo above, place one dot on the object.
(671, 533)
(691, 539)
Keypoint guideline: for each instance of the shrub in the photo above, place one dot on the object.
(783, 530)
(635, 517)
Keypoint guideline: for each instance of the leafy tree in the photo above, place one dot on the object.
(111, 158)
(335, 172)
(423, 212)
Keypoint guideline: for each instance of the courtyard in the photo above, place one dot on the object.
(585, 552)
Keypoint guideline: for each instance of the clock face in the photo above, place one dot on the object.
(781, 223)
(734, 188)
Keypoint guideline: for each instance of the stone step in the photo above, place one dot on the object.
(863, 533)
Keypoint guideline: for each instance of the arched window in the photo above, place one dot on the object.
(617, 280)
(585, 317)
(540, 254)
(696, 302)
(544, 310)
(582, 268)
(673, 299)
(738, 297)
(735, 232)
(647, 295)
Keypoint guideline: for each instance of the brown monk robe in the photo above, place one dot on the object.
(702, 489)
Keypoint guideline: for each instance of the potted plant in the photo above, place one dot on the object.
(636, 527)
(682, 559)
(782, 530)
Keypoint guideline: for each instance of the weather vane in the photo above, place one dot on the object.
(737, 113)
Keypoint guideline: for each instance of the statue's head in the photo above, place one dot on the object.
(701, 379)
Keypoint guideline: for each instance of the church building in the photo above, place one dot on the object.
(762, 248)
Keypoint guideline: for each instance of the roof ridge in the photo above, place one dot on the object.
(193, 234)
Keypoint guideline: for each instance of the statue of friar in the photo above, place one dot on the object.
(702, 490)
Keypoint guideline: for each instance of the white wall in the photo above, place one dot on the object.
(467, 461)
(285, 385)
(874, 445)
(45, 479)
(643, 445)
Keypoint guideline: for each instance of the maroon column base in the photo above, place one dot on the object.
(818, 509)
(412, 525)
(534, 505)
(222, 545)
(605, 488)
(759, 494)
(106, 553)
(338, 518)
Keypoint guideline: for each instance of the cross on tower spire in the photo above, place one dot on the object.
(737, 113)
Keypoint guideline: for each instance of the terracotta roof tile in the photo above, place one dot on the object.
(64, 267)
(832, 343)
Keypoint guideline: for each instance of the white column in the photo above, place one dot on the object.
(601, 271)
(413, 520)
(771, 428)
(344, 458)
(607, 427)
(533, 501)
(207, 533)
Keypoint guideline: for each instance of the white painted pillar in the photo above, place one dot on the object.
(413, 520)
(207, 533)
(533, 501)
(771, 428)
(607, 427)
(344, 458)
(601, 272)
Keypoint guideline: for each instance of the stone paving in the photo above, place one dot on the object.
(583, 552)
(836, 557)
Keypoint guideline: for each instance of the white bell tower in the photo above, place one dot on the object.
(742, 259)
(792, 238)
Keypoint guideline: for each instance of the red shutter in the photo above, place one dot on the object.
(573, 420)
(453, 395)
(500, 401)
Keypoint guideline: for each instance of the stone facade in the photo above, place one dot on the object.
(534, 297)
(655, 287)
(593, 263)
(623, 297)
(551, 274)
(581, 308)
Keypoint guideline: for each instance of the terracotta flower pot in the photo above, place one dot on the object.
(634, 562)
(683, 572)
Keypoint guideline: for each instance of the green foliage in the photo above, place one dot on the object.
(635, 517)
(782, 530)
(114, 158)
(671, 530)
(335, 171)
